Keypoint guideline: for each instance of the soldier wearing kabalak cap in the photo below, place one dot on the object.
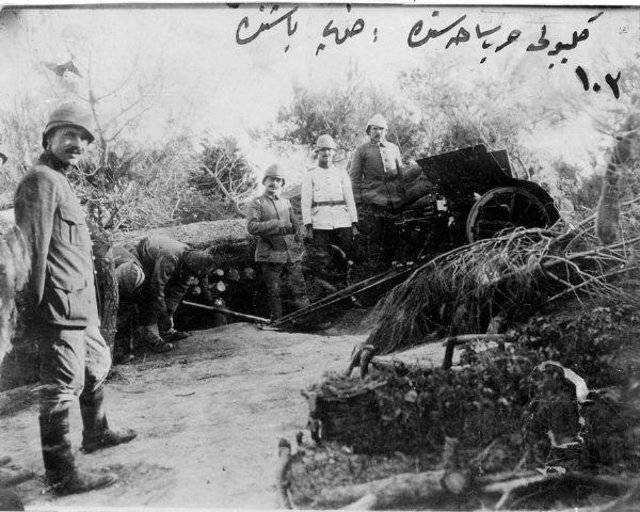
(75, 358)
(279, 249)
(377, 178)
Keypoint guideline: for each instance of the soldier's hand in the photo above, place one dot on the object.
(285, 228)
(354, 230)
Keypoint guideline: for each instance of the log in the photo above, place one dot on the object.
(508, 488)
(198, 234)
(422, 488)
(388, 492)
(402, 489)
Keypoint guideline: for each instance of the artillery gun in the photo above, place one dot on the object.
(475, 194)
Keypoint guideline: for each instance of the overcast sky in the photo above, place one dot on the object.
(215, 83)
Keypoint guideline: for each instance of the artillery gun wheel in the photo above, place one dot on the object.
(505, 208)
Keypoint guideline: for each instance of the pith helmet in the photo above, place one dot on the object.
(69, 114)
(274, 171)
(325, 141)
(377, 120)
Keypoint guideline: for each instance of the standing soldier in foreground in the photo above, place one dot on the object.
(74, 357)
(279, 247)
(377, 178)
(328, 208)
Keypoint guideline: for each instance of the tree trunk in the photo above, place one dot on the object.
(107, 291)
(403, 489)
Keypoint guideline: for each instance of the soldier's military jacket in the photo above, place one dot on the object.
(327, 198)
(376, 174)
(275, 225)
(61, 283)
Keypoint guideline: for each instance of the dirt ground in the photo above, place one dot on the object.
(208, 417)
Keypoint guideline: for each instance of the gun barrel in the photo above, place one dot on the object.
(227, 311)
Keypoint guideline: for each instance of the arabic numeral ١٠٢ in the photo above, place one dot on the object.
(596, 87)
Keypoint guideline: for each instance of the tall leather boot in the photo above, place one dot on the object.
(274, 301)
(62, 474)
(96, 433)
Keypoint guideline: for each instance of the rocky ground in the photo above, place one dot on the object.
(208, 416)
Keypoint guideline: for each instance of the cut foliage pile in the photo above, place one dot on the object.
(509, 276)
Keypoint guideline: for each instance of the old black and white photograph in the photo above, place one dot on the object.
(367, 256)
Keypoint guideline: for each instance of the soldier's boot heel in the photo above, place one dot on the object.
(83, 481)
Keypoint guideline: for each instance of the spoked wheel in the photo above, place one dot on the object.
(505, 208)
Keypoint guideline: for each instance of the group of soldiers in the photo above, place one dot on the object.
(154, 275)
(332, 201)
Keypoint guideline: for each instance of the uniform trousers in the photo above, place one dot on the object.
(277, 275)
(74, 362)
(341, 237)
(378, 224)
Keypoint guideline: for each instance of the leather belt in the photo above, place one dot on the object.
(327, 203)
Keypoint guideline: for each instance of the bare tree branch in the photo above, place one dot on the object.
(126, 123)
(123, 83)
(234, 203)
(126, 109)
